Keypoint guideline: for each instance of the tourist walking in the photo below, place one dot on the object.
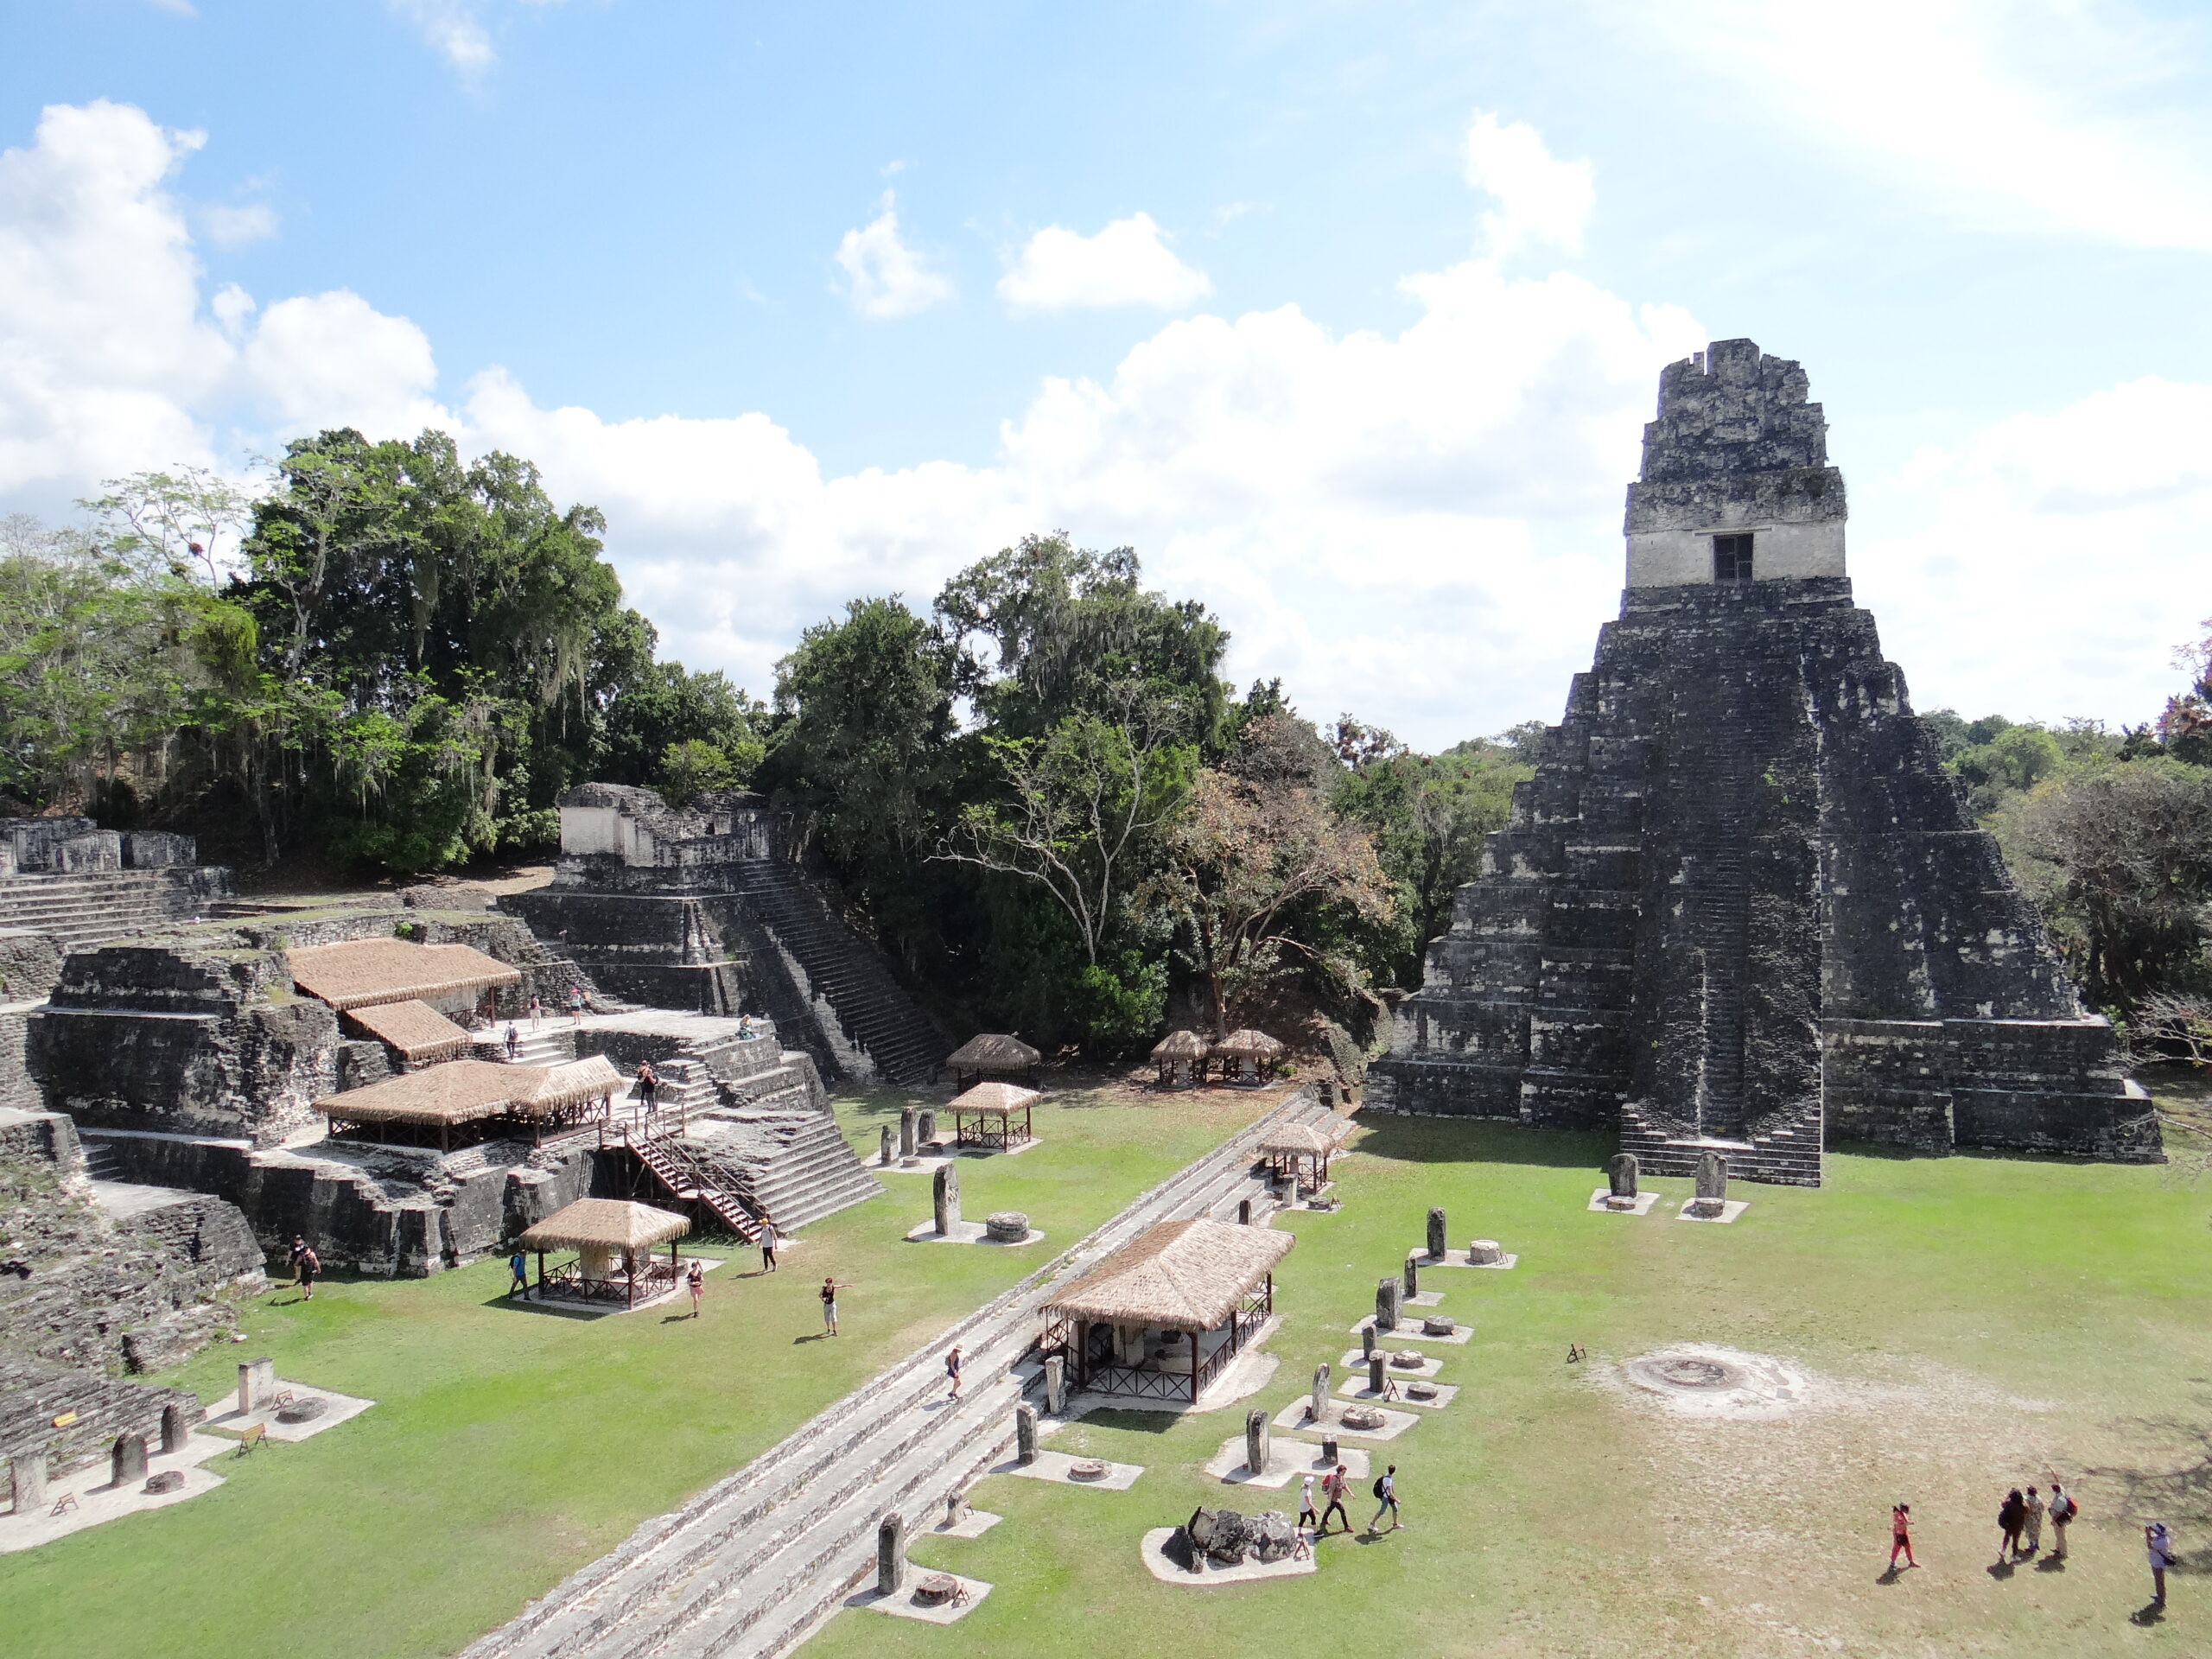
(2011, 1515)
(648, 1084)
(537, 1012)
(309, 1265)
(2063, 1509)
(517, 1264)
(952, 1371)
(829, 1289)
(1333, 1488)
(696, 1280)
(1385, 1490)
(299, 1250)
(1306, 1505)
(514, 1041)
(2036, 1509)
(2159, 1550)
(767, 1247)
(1901, 1534)
(576, 1004)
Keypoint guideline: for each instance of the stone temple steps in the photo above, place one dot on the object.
(875, 1013)
(1789, 1156)
(77, 911)
(752, 1566)
(794, 1167)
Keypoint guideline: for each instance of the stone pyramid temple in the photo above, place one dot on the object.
(1741, 906)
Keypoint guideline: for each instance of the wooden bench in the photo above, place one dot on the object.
(63, 1504)
(253, 1436)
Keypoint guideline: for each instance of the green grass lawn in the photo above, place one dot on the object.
(509, 1446)
(1978, 1321)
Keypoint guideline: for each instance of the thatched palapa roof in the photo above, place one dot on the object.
(1296, 1137)
(418, 1030)
(1180, 1276)
(593, 1078)
(1255, 1044)
(618, 1224)
(459, 1091)
(995, 1097)
(993, 1052)
(362, 973)
(1180, 1046)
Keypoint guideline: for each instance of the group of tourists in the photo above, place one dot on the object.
(2020, 1520)
(1333, 1485)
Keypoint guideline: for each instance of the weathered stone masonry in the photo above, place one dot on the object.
(1741, 905)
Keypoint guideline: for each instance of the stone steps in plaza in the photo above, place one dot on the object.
(77, 911)
(795, 1167)
(751, 1567)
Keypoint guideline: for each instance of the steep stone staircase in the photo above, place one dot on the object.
(76, 911)
(841, 979)
(795, 1167)
(690, 1177)
(1787, 1155)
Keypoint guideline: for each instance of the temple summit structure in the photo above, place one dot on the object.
(1741, 906)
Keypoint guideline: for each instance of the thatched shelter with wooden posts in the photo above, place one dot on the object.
(369, 973)
(1165, 1315)
(414, 1031)
(1298, 1154)
(1181, 1057)
(464, 1101)
(993, 1118)
(993, 1055)
(1247, 1054)
(613, 1239)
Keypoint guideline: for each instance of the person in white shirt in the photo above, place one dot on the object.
(1306, 1511)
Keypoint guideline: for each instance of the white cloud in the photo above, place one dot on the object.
(2043, 115)
(2044, 569)
(451, 30)
(235, 226)
(1541, 200)
(333, 359)
(884, 277)
(1126, 264)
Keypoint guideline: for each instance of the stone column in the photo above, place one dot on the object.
(1436, 1234)
(174, 1431)
(129, 1459)
(1621, 1171)
(27, 1480)
(1025, 1434)
(257, 1383)
(1330, 1454)
(1244, 1212)
(890, 1555)
(905, 1131)
(1366, 1340)
(946, 1182)
(1412, 1275)
(956, 1507)
(888, 1152)
(1374, 1375)
(1325, 1092)
(1321, 1405)
(1711, 1184)
(1256, 1440)
(925, 1129)
(1055, 1384)
(1386, 1305)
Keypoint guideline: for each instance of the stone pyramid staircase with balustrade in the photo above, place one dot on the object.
(89, 909)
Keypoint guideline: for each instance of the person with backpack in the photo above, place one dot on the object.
(518, 1265)
(2063, 1509)
(1333, 1488)
(308, 1266)
(1901, 1534)
(696, 1280)
(2011, 1515)
(514, 1041)
(2159, 1549)
(1386, 1491)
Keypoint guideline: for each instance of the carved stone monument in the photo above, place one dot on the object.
(1386, 1305)
(1375, 1374)
(888, 1154)
(1621, 1173)
(905, 1132)
(1741, 899)
(1025, 1434)
(924, 1130)
(128, 1458)
(1366, 1340)
(26, 1482)
(257, 1384)
(174, 1429)
(1317, 1408)
(946, 1191)
(1256, 1440)
(1055, 1384)
(1007, 1226)
(1436, 1234)
(1485, 1253)
(890, 1555)
(956, 1509)
(1411, 1276)
(1712, 1200)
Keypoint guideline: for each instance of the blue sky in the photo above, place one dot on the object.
(1344, 315)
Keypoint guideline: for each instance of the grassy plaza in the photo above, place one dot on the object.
(1972, 1322)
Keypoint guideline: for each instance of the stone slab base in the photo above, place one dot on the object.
(337, 1408)
(1292, 1418)
(1425, 1299)
(1157, 1562)
(1643, 1203)
(1054, 1467)
(1410, 1331)
(903, 1605)
(1353, 1366)
(1287, 1461)
(1730, 1209)
(1357, 1389)
(973, 1524)
(1459, 1259)
(967, 1232)
(907, 1166)
(101, 1503)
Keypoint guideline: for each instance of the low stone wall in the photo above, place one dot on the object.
(32, 1395)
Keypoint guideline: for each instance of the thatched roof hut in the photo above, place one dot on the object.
(1248, 1045)
(996, 1097)
(1297, 1152)
(1180, 1276)
(984, 1116)
(1180, 1046)
(414, 1030)
(1296, 1137)
(570, 1084)
(610, 1223)
(459, 1091)
(993, 1054)
(362, 973)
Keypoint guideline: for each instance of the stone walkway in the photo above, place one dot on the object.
(753, 1566)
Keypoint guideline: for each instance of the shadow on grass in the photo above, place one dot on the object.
(1135, 1422)
(517, 1304)
(2150, 1612)
(1459, 1141)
